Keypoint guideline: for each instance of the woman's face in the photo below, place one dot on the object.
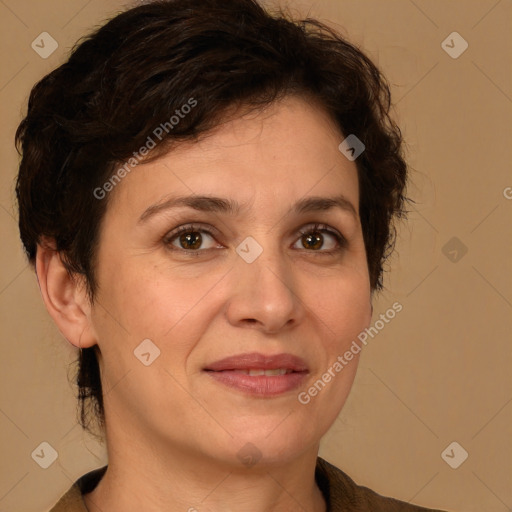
(282, 187)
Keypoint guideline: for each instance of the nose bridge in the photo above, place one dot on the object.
(263, 290)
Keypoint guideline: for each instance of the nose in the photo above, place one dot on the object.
(264, 295)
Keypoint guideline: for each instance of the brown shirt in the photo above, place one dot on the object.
(341, 493)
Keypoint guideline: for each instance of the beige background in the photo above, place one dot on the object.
(439, 372)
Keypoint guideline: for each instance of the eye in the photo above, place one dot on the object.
(319, 238)
(191, 238)
(316, 238)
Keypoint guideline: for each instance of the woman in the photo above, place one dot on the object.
(207, 195)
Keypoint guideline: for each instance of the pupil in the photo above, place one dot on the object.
(191, 240)
(313, 241)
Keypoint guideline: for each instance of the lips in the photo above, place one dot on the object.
(256, 361)
(259, 374)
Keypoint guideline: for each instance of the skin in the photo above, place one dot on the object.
(173, 433)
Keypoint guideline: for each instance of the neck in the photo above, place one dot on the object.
(169, 479)
(157, 474)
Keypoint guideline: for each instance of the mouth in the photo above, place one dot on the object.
(260, 371)
(259, 374)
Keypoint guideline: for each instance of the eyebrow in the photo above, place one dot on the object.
(227, 206)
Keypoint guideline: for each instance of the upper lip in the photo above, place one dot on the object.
(255, 360)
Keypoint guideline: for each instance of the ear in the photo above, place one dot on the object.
(65, 296)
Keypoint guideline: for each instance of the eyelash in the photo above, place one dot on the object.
(312, 228)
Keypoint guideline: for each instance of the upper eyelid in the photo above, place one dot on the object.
(320, 227)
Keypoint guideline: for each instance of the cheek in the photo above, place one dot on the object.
(343, 305)
(155, 302)
(147, 297)
(343, 311)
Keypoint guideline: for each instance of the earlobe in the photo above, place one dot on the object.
(65, 297)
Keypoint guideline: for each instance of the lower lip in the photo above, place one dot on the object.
(260, 385)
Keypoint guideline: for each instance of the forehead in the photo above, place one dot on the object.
(286, 150)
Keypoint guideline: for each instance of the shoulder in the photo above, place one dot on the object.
(73, 500)
(342, 493)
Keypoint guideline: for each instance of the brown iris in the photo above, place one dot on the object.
(313, 240)
(191, 240)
